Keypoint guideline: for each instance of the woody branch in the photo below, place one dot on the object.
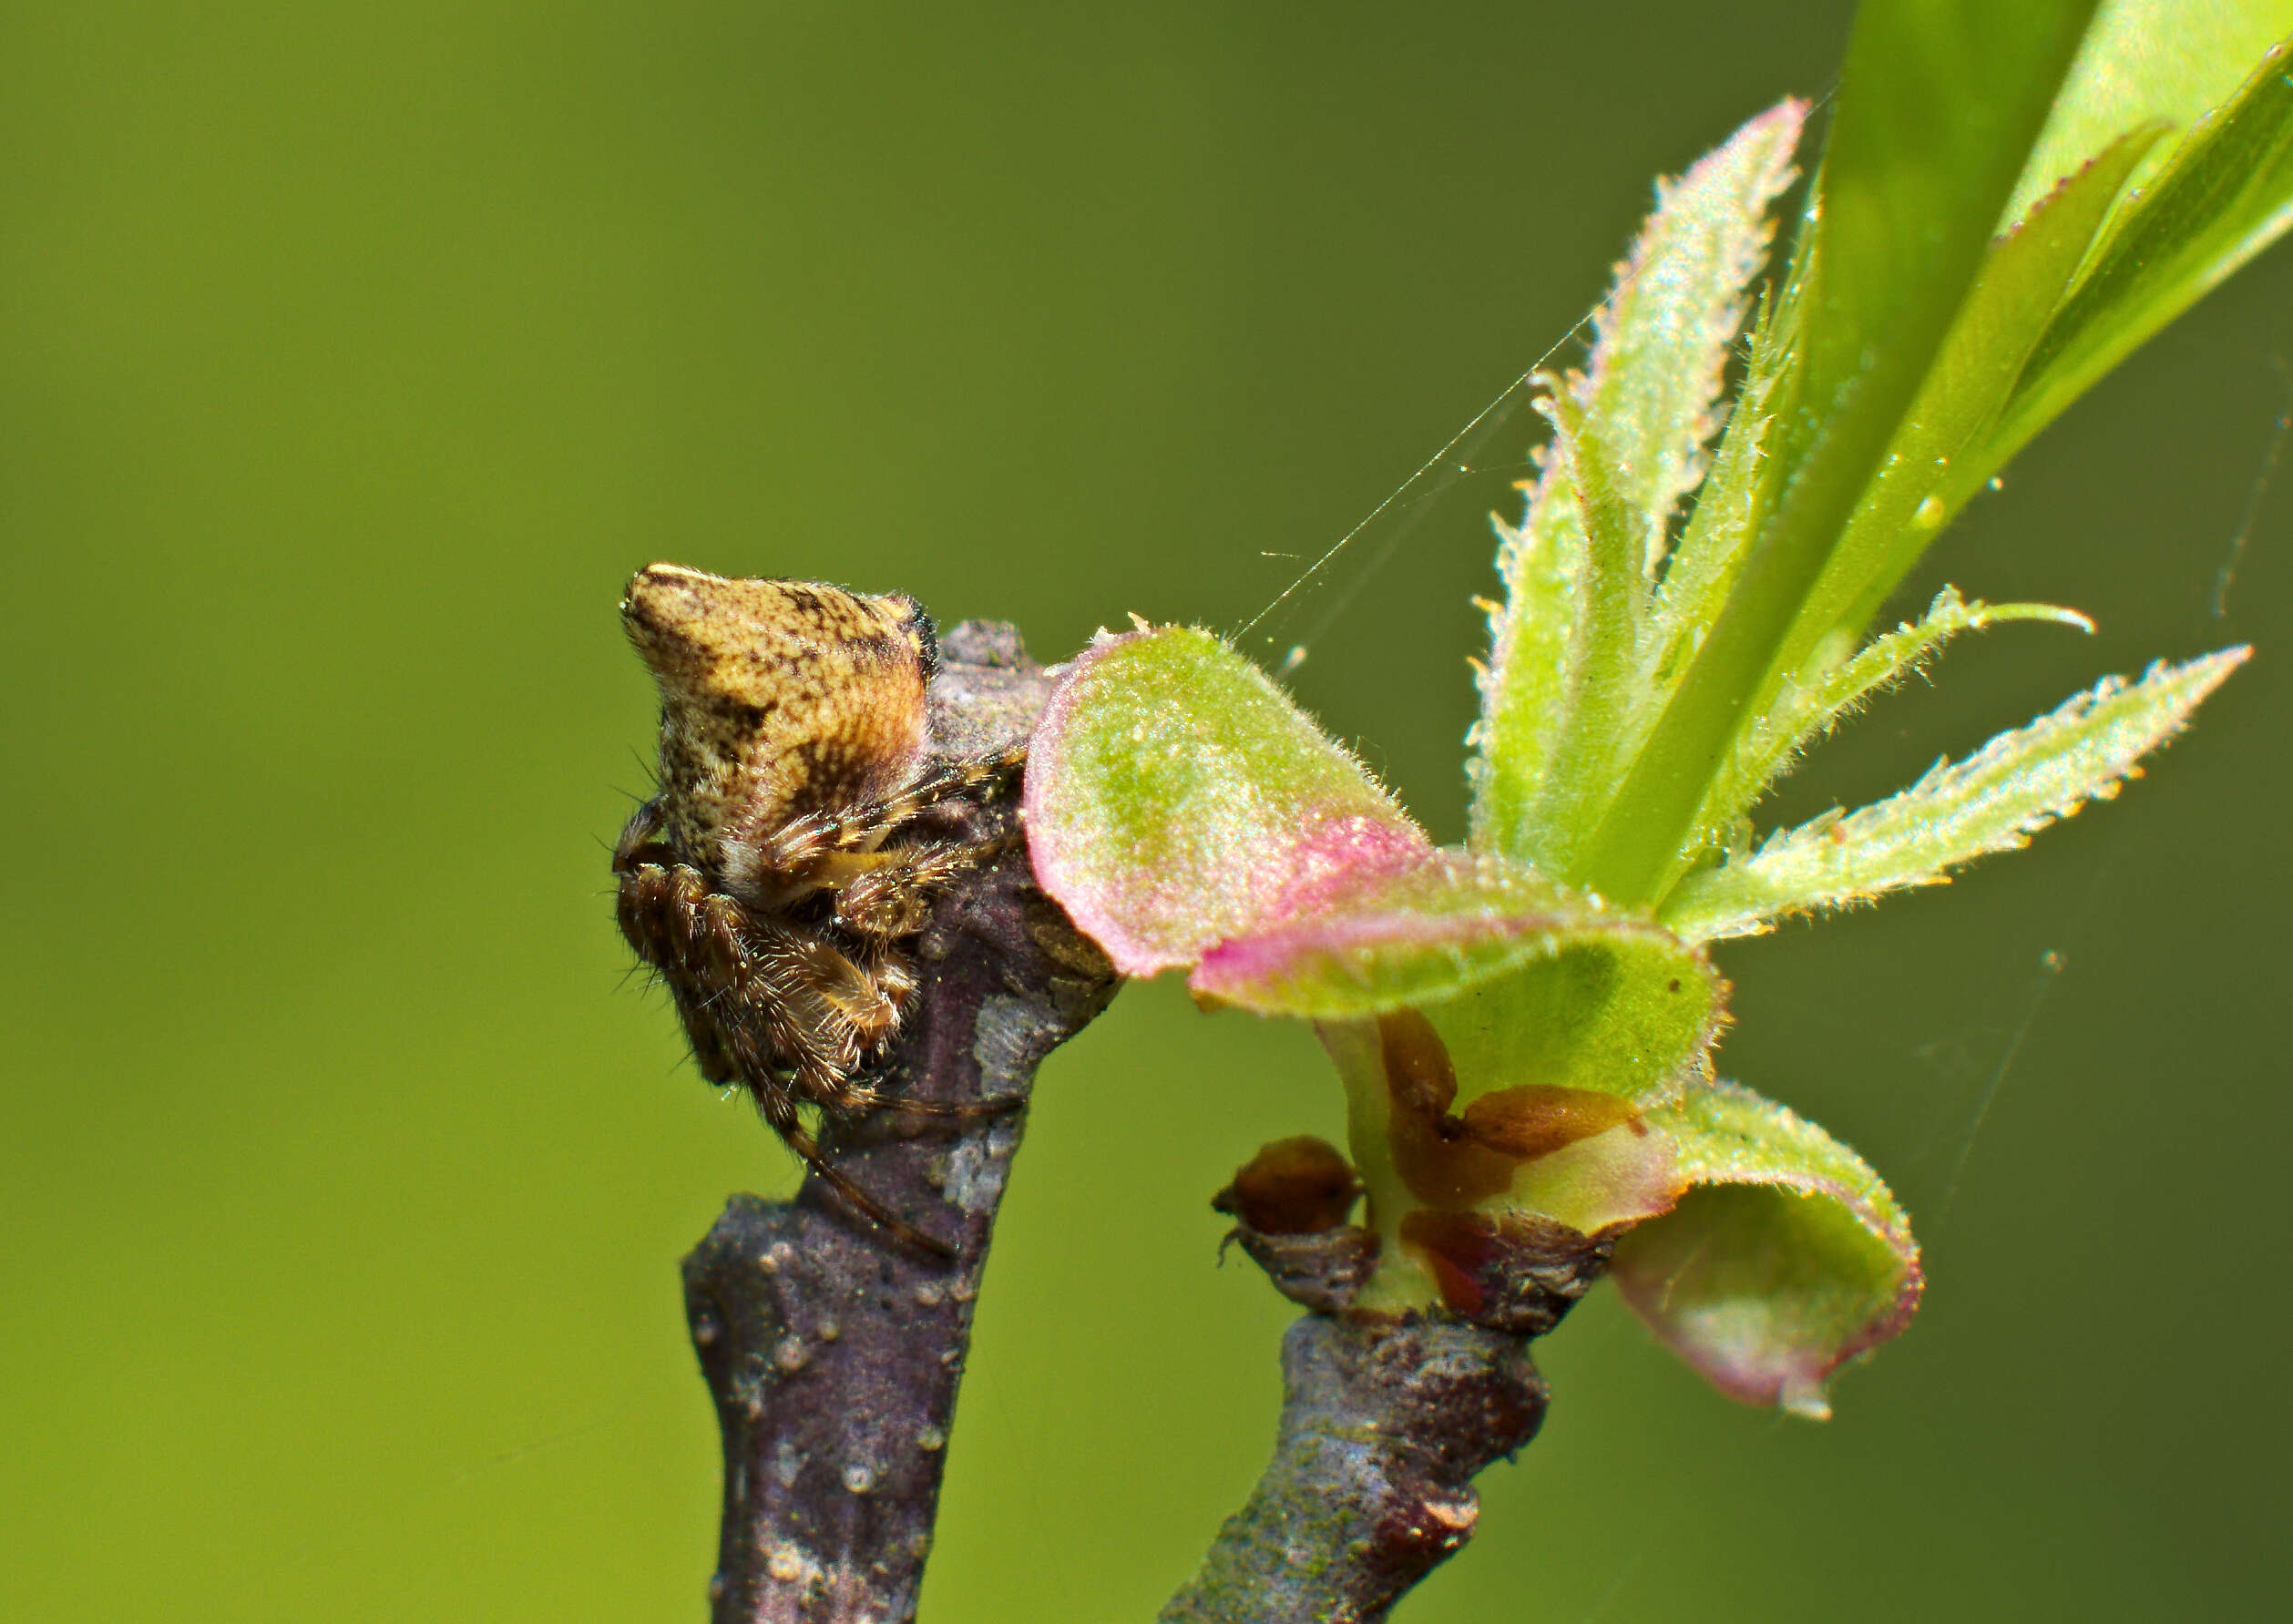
(833, 1351)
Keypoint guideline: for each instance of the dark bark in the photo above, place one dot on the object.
(1386, 1419)
(833, 1351)
(1384, 1424)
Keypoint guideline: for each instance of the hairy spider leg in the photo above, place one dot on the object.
(778, 1108)
(697, 939)
(846, 1090)
(828, 977)
(697, 943)
(711, 948)
(775, 1095)
(639, 842)
(892, 897)
(862, 1098)
(671, 903)
(804, 840)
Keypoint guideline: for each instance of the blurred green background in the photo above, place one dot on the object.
(350, 357)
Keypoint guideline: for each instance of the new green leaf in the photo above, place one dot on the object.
(2224, 194)
(2023, 280)
(2145, 61)
(1659, 340)
(1787, 1258)
(1799, 714)
(1629, 443)
(1176, 797)
(1992, 802)
(1476, 935)
(1941, 102)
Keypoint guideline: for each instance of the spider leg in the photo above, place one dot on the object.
(803, 841)
(970, 1110)
(893, 897)
(792, 1007)
(821, 1010)
(710, 1052)
(893, 976)
(852, 1092)
(753, 996)
(797, 982)
(779, 1109)
(863, 1096)
(639, 841)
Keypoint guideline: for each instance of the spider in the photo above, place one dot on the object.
(772, 881)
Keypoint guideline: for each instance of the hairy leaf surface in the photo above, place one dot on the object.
(1176, 797)
(1941, 102)
(1630, 441)
(2222, 194)
(1799, 714)
(1787, 1258)
(1992, 802)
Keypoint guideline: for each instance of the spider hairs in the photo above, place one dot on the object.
(773, 880)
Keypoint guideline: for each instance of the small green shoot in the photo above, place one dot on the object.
(1524, 1025)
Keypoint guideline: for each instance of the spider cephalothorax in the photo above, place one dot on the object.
(773, 878)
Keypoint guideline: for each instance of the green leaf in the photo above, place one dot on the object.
(1789, 1257)
(1621, 1014)
(1703, 567)
(1603, 645)
(1176, 797)
(1499, 1039)
(1525, 982)
(2224, 194)
(1801, 713)
(1661, 339)
(2023, 280)
(1629, 444)
(1429, 931)
(2145, 61)
(1534, 642)
(1993, 801)
(1941, 102)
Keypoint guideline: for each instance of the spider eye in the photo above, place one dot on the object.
(927, 640)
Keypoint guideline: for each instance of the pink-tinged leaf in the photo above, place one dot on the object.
(1448, 921)
(1525, 983)
(1622, 1177)
(1177, 797)
(1788, 1257)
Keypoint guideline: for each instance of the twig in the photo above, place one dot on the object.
(1384, 1424)
(1386, 1419)
(833, 1351)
